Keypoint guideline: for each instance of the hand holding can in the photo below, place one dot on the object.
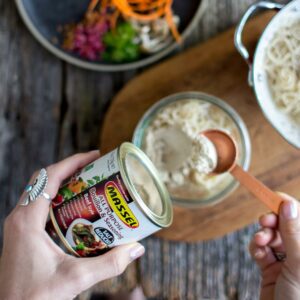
(28, 249)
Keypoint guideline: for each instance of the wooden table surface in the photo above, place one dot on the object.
(50, 109)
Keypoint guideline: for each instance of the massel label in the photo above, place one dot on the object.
(119, 205)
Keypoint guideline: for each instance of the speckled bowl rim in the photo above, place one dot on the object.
(106, 67)
(229, 110)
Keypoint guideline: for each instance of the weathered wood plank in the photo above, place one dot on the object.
(30, 93)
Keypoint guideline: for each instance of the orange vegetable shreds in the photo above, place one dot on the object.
(152, 6)
(145, 10)
(104, 5)
(169, 18)
(141, 10)
(97, 9)
(92, 5)
(114, 18)
(128, 10)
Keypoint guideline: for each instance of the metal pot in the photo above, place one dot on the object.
(257, 79)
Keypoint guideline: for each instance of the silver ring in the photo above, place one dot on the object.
(37, 189)
(280, 256)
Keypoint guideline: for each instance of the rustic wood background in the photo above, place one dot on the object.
(50, 109)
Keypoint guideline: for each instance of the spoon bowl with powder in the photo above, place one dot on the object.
(226, 149)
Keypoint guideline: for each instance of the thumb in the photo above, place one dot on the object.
(289, 227)
(88, 271)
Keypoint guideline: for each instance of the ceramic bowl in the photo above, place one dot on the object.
(43, 17)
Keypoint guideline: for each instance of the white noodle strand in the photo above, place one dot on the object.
(283, 69)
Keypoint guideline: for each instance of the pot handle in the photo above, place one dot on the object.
(240, 27)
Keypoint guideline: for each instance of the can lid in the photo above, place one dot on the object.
(144, 184)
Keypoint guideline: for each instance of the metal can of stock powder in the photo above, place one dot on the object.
(115, 200)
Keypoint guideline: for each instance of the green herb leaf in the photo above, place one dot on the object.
(91, 182)
(66, 193)
(80, 246)
(88, 167)
(97, 178)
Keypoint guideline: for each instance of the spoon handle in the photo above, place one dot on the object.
(257, 188)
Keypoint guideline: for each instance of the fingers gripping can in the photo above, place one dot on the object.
(115, 200)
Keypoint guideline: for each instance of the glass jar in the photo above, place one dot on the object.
(214, 188)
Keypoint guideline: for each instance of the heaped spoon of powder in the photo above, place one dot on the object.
(227, 150)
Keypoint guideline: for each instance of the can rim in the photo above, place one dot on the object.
(165, 219)
(61, 236)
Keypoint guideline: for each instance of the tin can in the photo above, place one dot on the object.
(115, 200)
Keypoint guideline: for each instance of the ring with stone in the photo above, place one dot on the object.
(37, 188)
(280, 256)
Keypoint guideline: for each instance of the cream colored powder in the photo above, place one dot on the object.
(144, 184)
(204, 155)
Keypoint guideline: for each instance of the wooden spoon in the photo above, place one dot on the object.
(227, 156)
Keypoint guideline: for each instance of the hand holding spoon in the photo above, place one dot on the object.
(227, 155)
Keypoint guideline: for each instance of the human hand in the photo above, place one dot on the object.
(32, 266)
(279, 235)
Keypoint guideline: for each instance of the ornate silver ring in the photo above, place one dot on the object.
(37, 189)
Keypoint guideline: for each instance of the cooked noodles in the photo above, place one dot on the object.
(283, 68)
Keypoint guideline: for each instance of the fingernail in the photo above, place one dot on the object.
(97, 150)
(136, 252)
(286, 196)
(289, 210)
(260, 233)
(259, 253)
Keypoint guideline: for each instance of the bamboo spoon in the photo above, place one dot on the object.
(227, 155)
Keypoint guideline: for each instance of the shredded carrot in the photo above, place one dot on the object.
(150, 7)
(114, 19)
(92, 5)
(145, 10)
(169, 18)
(141, 10)
(104, 5)
(97, 10)
(128, 11)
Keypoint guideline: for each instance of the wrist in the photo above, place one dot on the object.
(287, 287)
(47, 294)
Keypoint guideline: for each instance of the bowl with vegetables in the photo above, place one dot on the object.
(110, 35)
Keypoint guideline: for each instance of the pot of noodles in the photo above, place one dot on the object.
(274, 72)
